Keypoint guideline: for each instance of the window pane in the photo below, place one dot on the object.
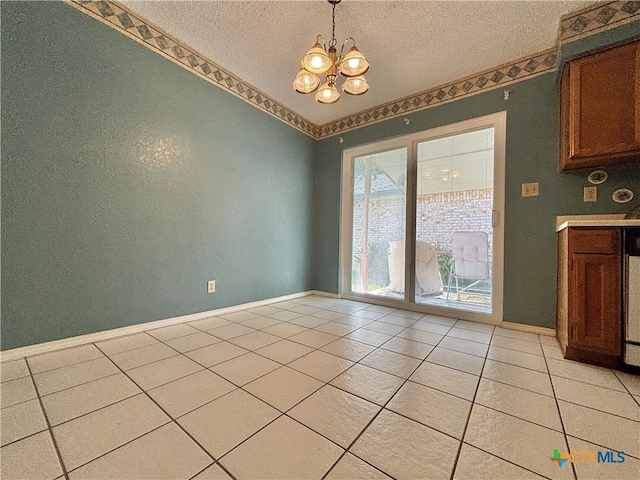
(379, 215)
(454, 195)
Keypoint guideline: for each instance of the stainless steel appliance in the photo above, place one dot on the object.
(632, 297)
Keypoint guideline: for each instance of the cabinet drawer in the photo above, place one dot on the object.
(594, 240)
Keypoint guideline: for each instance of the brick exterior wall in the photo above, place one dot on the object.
(438, 216)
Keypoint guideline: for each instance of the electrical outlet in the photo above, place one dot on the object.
(211, 286)
(531, 189)
(590, 194)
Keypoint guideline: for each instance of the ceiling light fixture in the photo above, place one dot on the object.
(318, 60)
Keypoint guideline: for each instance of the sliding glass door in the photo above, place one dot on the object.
(431, 201)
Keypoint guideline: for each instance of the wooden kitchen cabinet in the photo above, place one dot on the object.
(600, 109)
(589, 315)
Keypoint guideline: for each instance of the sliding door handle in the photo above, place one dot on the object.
(495, 218)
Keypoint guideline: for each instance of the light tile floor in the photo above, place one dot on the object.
(316, 388)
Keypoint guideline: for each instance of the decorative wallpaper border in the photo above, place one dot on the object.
(504, 75)
(597, 18)
(575, 25)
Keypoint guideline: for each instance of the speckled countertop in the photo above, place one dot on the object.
(609, 220)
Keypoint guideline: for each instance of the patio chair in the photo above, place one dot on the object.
(469, 259)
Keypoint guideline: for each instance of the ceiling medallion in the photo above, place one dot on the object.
(318, 60)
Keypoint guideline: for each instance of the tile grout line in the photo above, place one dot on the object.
(73, 364)
(564, 430)
(507, 460)
(81, 362)
(283, 414)
(348, 449)
(590, 384)
(26, 436)
(635, 457)
(624, 385)
(228, 341)
(445, 336)
(238, 387)
(206, 468)
(598, 410)
(49, 428)
(325, 383)
(142, 390)
(120, 446)
(78, 385)
(227, 380)
(466, 425)
(208, 368)
(281, 365)
(318, 348)
(171, 420)
(97, 409)
(144, 333)
(554, 375)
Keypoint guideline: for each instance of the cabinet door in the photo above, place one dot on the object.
(601, 108)
(595, 317)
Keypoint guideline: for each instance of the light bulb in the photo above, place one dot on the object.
(316, 62)
(328, 93)
(353, 64)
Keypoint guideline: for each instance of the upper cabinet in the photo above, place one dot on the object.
(600, 109)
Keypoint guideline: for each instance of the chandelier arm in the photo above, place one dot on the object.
(345, 44)
(321, 38)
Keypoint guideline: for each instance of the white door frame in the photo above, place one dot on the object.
(496, 120)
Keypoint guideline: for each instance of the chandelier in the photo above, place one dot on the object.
(318, 60)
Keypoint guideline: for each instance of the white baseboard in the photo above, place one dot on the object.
(39, 348)
(320, 293)
(550, 332)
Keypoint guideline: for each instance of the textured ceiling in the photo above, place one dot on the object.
(411, 45)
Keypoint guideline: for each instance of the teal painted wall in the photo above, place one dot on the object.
(128, 182)
(531, 155)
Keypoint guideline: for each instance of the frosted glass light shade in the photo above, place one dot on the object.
(353, 64)
(316, 60)
(355, 85)
(327, 93)
(306, 82)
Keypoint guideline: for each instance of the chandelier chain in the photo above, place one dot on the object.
(333, 41)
